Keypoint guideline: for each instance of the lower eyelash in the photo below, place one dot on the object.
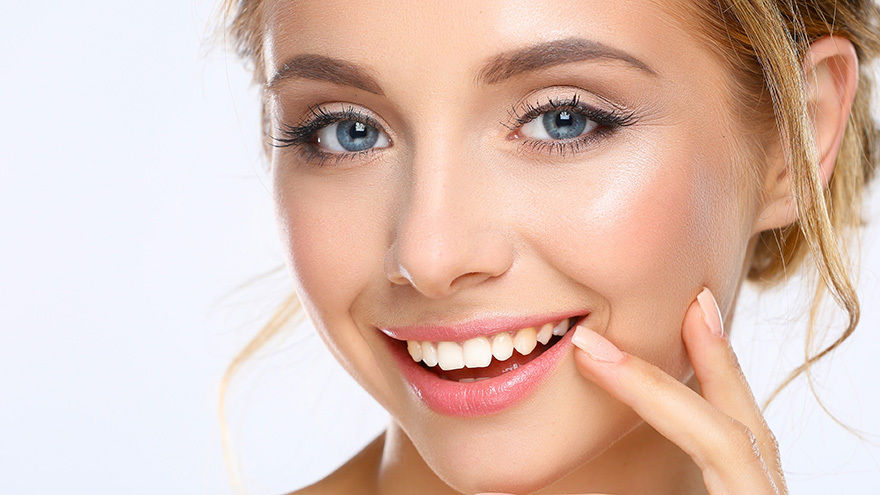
(561, 147)
(319, 159)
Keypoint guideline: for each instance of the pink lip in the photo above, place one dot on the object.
(483, 397)
(474, 328)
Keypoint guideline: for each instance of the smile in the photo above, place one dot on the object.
(490, 366)
(479, 352)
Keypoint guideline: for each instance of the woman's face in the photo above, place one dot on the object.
(453, 170)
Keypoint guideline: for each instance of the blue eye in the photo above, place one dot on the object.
(346, 136)
(563, 124)
(558, 124)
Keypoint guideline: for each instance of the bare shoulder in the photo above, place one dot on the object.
(358, 475)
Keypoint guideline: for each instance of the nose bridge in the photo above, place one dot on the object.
(447, 237)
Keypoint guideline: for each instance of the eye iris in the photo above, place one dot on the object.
(356, 136)
(564, 124)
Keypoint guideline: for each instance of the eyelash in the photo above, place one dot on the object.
(299, 136)
(607, 123)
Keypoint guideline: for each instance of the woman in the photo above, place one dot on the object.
(522, 227)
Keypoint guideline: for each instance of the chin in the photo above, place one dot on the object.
(518, 467)
(529, 447)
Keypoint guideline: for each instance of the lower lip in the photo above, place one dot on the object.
(482, 397)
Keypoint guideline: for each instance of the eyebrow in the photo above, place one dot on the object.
(496, 70)
(552, 53)
(321, 68)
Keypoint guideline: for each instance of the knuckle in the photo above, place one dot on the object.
(653, 379)
(770, 450)
(744, 443)
(733, 443)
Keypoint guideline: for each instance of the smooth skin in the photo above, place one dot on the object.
(460, 214)
(722, 428)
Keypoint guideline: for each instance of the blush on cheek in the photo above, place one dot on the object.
(656, 249)
(333, 236)
(639, 233)
(652, 241)
(330, 256)
(327, 272)
(640, 237)
(314, 255)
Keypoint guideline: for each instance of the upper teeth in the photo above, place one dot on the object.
(478, 351)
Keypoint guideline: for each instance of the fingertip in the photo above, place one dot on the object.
(702, 330)
(710, 312)
(596, 347)
(693, 327)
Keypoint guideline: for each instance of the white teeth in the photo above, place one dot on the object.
(502, 346)
(450, 356)
(525, 341)
(561, 328)
(415, 350)
(429, 354)
(466, 380)
(477, 352)
(545, 333)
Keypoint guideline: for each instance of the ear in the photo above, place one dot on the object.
(831, 70)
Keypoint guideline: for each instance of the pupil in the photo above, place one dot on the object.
(563, 119)
(358, 131)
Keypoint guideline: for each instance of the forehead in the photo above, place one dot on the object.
(403, 39)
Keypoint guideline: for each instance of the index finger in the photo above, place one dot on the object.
(725, 449)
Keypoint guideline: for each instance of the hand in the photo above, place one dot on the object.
(723, 430)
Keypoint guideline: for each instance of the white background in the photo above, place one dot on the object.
(134, 203)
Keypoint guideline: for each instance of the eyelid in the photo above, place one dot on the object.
(324, 114)
(320, 116)
(608, 122)
(529, 107)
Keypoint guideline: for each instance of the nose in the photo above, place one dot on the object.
(451, 233)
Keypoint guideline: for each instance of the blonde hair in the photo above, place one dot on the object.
(764, 42)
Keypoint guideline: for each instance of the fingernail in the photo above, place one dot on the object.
(711, 313)
(596, 346)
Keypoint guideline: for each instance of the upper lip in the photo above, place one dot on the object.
(479, 327)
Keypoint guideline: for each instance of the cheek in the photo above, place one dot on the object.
(644, 237)
(334, 226)
(320, 263)
(327, 229)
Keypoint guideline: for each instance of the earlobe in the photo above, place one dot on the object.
(831, 70)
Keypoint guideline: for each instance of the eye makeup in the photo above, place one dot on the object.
(602, 123)
(564, 124)
(303, 136)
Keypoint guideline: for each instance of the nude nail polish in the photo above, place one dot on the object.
(597, 347)
(710, 311)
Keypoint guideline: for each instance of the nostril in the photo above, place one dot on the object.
(469, 280)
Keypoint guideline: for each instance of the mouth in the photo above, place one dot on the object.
(486, 357)
(481, 367)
